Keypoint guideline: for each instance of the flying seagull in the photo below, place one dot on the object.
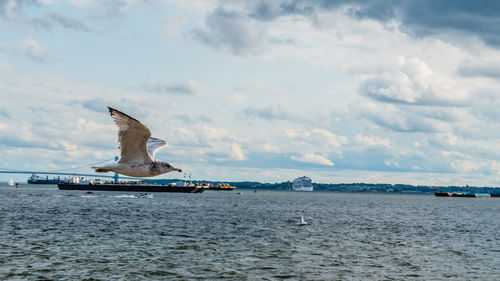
(137, 149)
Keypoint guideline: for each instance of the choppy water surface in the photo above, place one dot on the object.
(47, 234)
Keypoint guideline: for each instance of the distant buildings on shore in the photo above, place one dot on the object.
(348, 187)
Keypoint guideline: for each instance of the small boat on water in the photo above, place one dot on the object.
(11, 182)
(301, 221)
(145, 195)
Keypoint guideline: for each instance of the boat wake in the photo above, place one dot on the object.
(142, 195)
(125, 196)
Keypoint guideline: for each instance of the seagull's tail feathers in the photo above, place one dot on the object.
(101, 169)
(104, 168)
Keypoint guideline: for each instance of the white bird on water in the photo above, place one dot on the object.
(137, 149)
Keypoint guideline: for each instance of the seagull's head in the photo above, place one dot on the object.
(167, 167)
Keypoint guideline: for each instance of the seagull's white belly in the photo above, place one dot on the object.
(135, 170)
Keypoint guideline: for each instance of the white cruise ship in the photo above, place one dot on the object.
(302, 184)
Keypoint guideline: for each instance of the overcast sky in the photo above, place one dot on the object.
(341, 91)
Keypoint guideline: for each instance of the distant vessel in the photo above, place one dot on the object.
(302, 184)
(300, 221)
(224, 186)
(145, 195)
(34, 179)
(11, 182)
(462, 194)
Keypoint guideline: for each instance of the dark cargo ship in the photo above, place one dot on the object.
(133, 187)
(34, 179)
(462, 194)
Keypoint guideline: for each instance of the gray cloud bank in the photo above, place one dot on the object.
(240, 30)
(416, 17)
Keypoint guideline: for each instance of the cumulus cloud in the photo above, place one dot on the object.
(320, 141)
(413, 83)
(182, 88)
(237, 153)
(27, 137)
(312, 158)
(233, 31)
(372, 140)
(32, 50)
(318, 137)
(212, 144)
(401, 120)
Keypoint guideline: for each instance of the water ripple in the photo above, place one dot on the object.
(47, 234)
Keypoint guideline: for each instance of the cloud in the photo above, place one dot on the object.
(190, 120)
(10, 6)
(401, 120)
(489, 70)
(372, 140)
(273, 113)
(467, 17)
(237, 153)
(232, 31)
(270, 10)
(15, 9)
(313, 159)
(418, 18)
(83, 3)
(3, 112)
(32, 50)
(182, 88)
(253, 88)
(413, 83)
(96, 104)
(319, 140)
(26, 137)
(111, 9)
(68, 23)
(126, 105)
(29, 49)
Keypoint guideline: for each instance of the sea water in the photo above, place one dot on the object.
(48, 234)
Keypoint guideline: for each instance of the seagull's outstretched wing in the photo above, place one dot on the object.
(155, 144)
(132, 138)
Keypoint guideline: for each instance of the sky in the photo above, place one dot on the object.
(341, 91)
